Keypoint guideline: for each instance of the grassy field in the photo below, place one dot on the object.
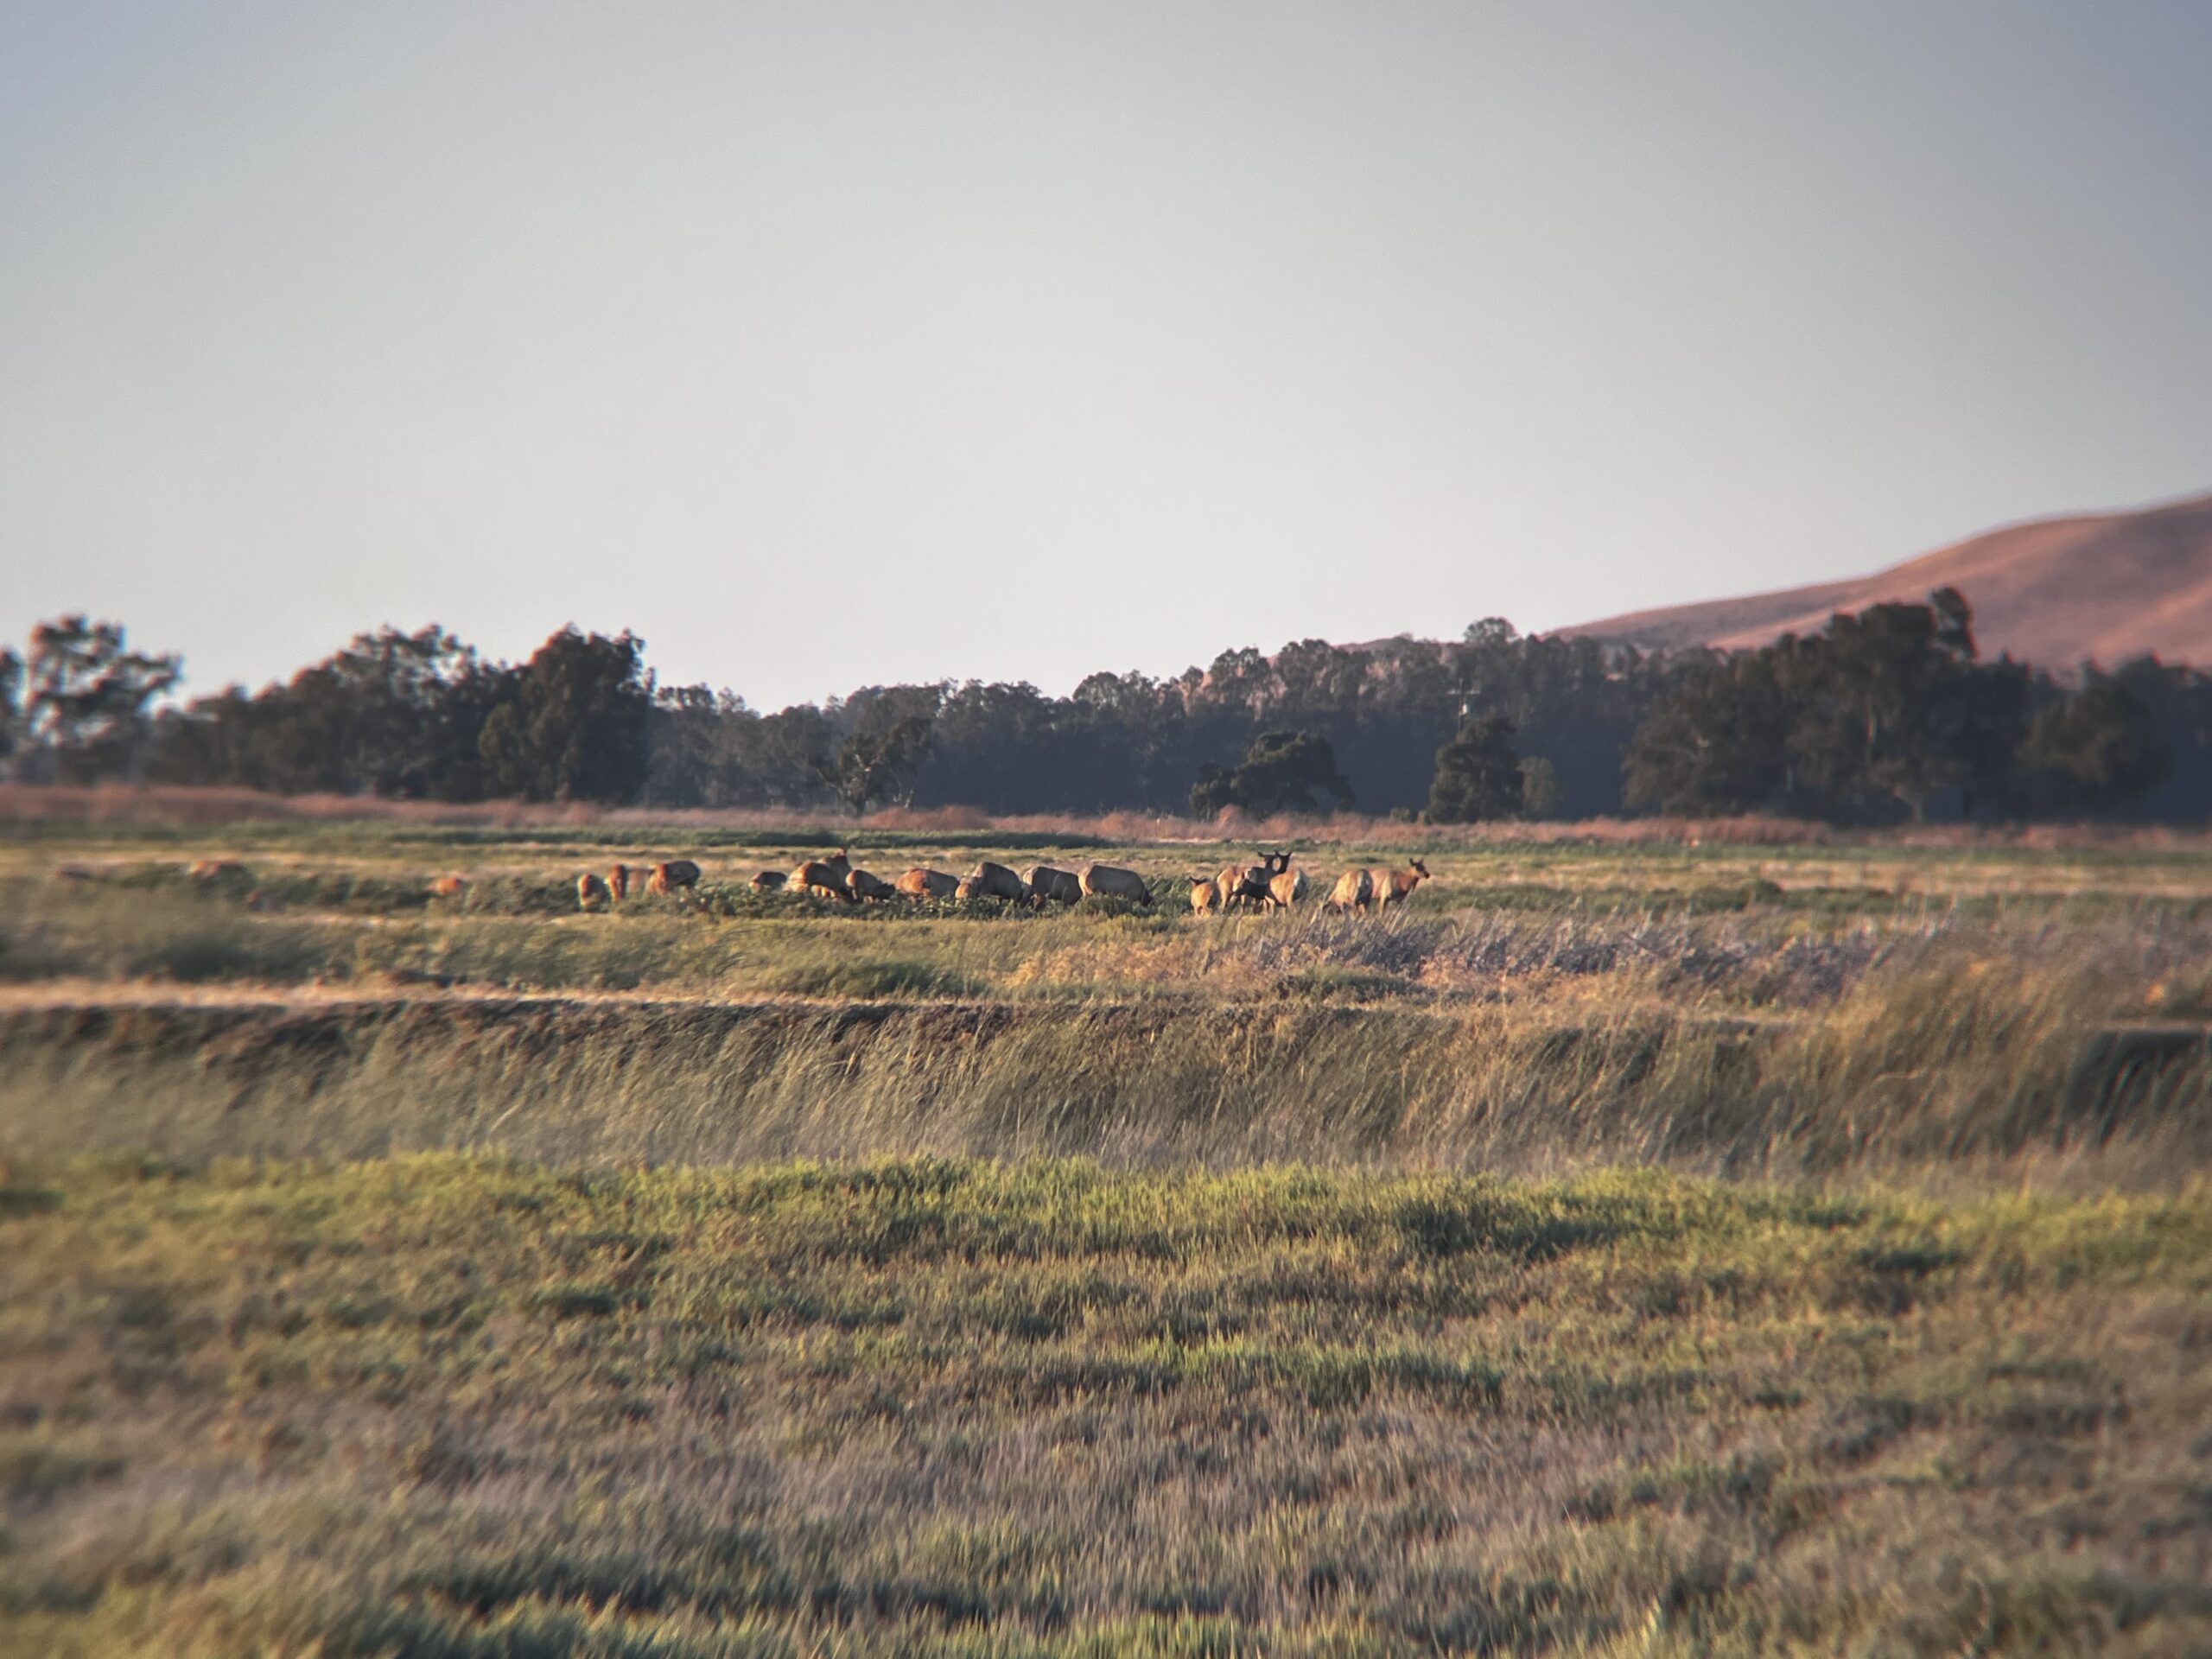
(1631, 1247)
(436, 1406)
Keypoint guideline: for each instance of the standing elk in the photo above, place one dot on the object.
(1286, 889)
(824, 878)
(919, 883)
(618, 882)
(1049, 886)
(863, 884)
(1395, 887)
(769, 881)
(1205, 895)
(667, 877)
(1249, 882)
(989, 881)
(1110, 881)
(1355, 890)
(591, 892)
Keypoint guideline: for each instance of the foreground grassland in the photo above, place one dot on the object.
(438, 1406)
(1623, 1248)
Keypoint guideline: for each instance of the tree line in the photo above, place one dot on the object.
(1888, 715)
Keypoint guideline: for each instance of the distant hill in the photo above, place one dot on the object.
(2056, 592)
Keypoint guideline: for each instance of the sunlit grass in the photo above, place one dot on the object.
(451, 1406)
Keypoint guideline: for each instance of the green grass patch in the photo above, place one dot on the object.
(454, 1405)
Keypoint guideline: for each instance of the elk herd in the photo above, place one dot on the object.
(593, 889)
(1270, 884)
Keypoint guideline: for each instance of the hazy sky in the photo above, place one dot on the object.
(829, 345)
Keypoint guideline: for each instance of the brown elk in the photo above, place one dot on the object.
(1205, 895)
(989, 881)
(1355, 890)
(1395, 887)
(1286, 888)
(448, 886)
(769, 881)
(618, 882)
(863, 884)
(677, 873)
(824, 878)
(919, 883)
(1111, 881)
(591, 892)
(1248, 883)
(1049, 886)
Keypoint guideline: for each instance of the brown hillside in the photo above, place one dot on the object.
(2056, 592)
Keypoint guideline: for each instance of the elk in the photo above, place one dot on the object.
(591, 892)
(769, 881)
(989, 881)
(1048, 884)
(1250, 882)
(1286, 888)
(675, 873)
(828, 875)
(861, 884)
(448, 886)
(824, 878)
(1110, 881)
(920, 883)
(618, 883)
(1355, 890)
(1205, 896)
(1395, 887)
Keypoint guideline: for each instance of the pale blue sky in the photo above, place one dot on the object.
(829, 345)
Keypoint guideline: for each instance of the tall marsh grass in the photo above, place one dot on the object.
(1939, 1065)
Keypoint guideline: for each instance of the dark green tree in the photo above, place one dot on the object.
(1884, 708)
(1719, 745)
(892, 731)
(1282, 772)
(1478, 774)
(1541, 795)
(572, 723)
(1216, 791)
(2094, 750)
(11, 705)
(88, 699)
(1875, 717)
